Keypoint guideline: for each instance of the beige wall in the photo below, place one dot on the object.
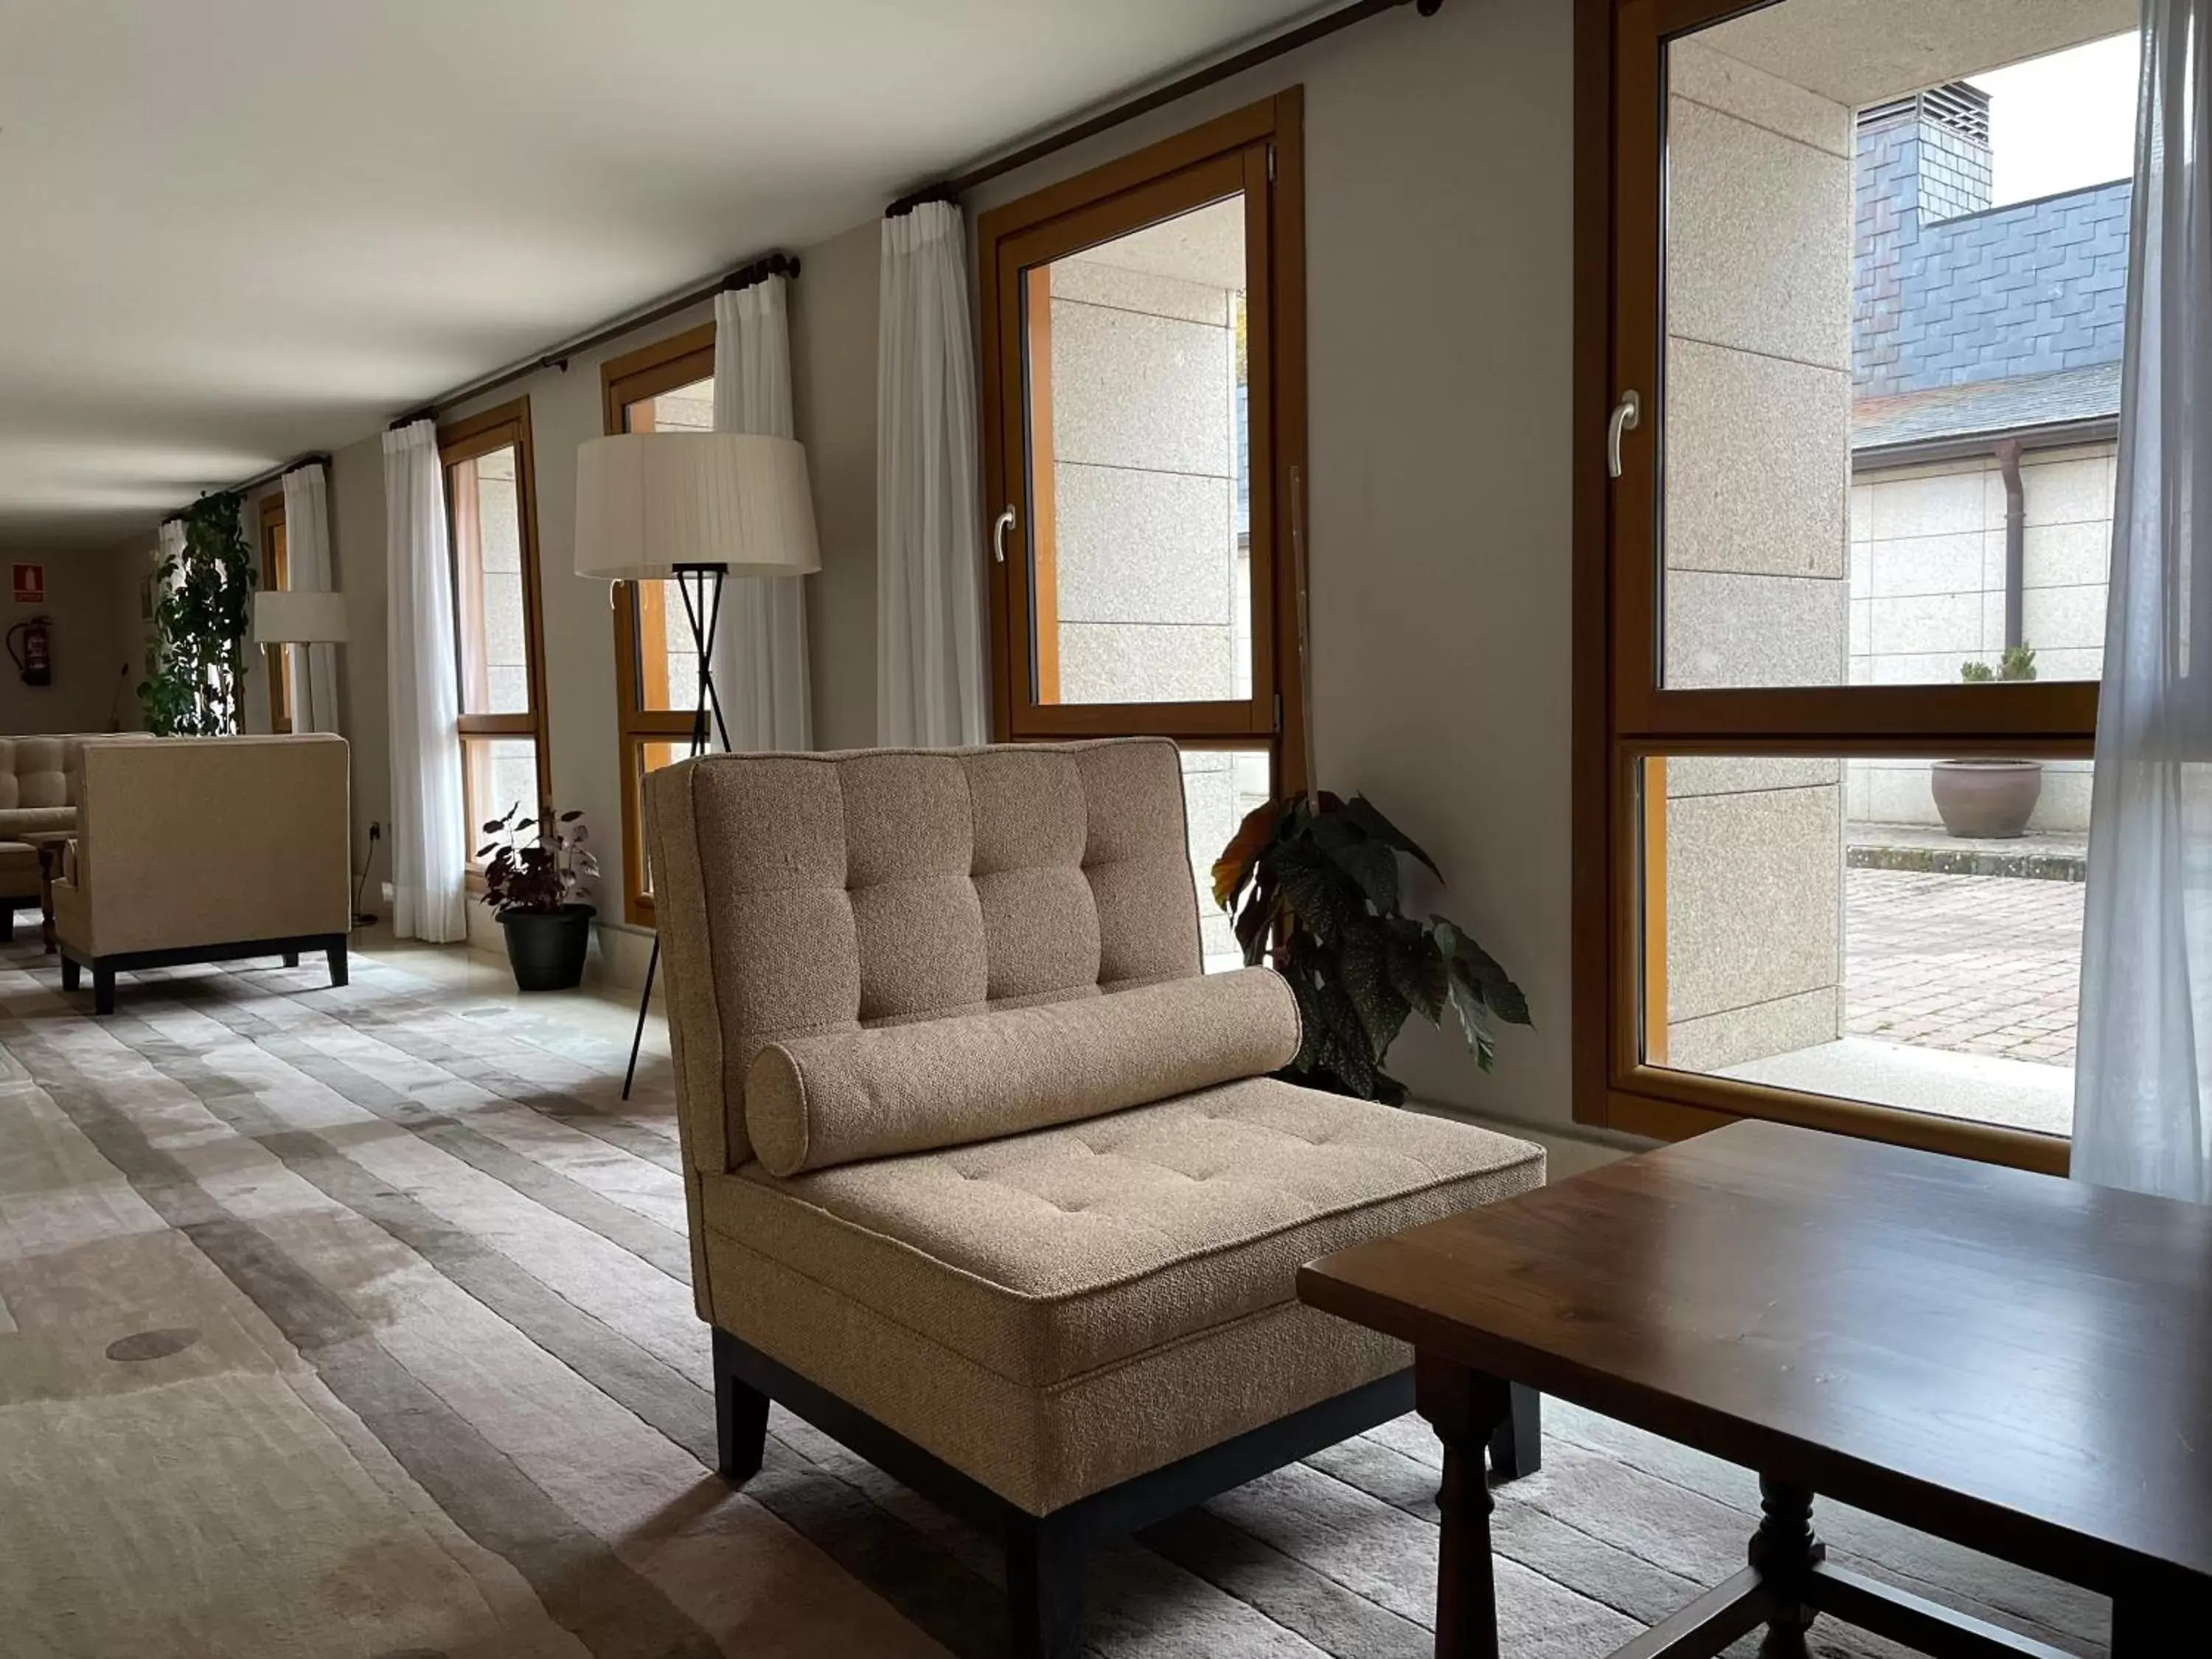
(92, 599)
(1440, 255)
(1440, 260)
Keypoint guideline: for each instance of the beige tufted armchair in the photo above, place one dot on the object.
(39, 792)
(986, 1179)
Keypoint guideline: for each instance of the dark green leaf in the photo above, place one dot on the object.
(1479, 970)
(1362, 812)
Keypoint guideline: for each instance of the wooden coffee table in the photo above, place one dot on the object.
(2018, 1364)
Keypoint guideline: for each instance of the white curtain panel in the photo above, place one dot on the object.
(430, 841)
(2144, 1080)
(929, 532)
(307, 557)
(760, 648)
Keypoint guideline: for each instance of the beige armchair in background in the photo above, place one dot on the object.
(205, 850)
(37, 786)
(38, 803)
(986, 1178)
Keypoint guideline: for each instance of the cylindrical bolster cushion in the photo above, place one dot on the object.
(816, 1101)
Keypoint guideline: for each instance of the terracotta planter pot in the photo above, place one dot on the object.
(1986, 800)
(546, 948)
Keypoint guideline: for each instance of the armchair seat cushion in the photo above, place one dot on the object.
(1052, 1270)
(1045, 1254)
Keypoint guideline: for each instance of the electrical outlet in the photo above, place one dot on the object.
(375, 831)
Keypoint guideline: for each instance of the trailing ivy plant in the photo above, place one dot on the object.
(196, 664)
(1311, 885)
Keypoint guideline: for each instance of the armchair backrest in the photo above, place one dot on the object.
(34, 773)
(803, 894)
(190, 841)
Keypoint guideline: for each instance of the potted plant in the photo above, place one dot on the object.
(1311, 883)
(196, 663)
(1990, 799)
(532, 874)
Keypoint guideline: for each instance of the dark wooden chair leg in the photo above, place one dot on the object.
(291, 958)
(1465, 1409)
(740, 1421)
(1516, 1446)
(340, 975)
(103, 989)
(71, 975)
(1044, 1587)
(7, 921)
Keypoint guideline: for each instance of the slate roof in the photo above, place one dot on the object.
(1987, 407)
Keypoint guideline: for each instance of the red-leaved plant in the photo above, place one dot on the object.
(539, 865)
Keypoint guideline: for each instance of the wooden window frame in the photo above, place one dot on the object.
(466, 439)
(276, 576)
(1231, 154)
(1623, 718)
(634, 378)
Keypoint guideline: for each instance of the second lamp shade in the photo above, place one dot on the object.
(649, 502)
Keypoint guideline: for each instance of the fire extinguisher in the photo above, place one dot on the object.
(33, 658)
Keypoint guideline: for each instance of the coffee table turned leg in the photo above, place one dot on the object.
(1785, 1552)
(1465, 1409)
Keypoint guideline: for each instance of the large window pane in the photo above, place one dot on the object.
(493, 618)
(1891, 356)
(497, 773)
(667, 666)
(1219, 787)
(1903, 932)
(1139, 457)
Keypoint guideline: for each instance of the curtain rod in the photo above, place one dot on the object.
(314, 457)
(745, 276)
(950, 190)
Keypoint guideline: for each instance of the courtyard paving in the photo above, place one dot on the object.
(1967, 964)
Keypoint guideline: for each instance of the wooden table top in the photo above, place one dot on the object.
(1962, 1348)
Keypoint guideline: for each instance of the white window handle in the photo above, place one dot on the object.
(999, 526)
(1625, 414)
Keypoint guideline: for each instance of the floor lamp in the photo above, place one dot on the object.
(695, 508)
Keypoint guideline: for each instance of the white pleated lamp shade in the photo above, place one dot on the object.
(649, 502)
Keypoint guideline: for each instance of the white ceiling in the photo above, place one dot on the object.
(234, 230)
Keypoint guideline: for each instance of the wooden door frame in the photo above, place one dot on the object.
(466, 439)
(1622, 719)
(275, 577)
(1089, 206)
(678, 360)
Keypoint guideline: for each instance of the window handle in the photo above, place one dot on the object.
(999, 526)
(1625, 414)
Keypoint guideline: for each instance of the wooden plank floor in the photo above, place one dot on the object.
(357, 1321)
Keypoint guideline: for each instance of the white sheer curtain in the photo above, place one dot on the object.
(430, 841)
(2141, 1115)
(929, 532)
(760, 650)
(308, 559)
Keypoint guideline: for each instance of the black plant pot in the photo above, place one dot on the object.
(546, 948)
